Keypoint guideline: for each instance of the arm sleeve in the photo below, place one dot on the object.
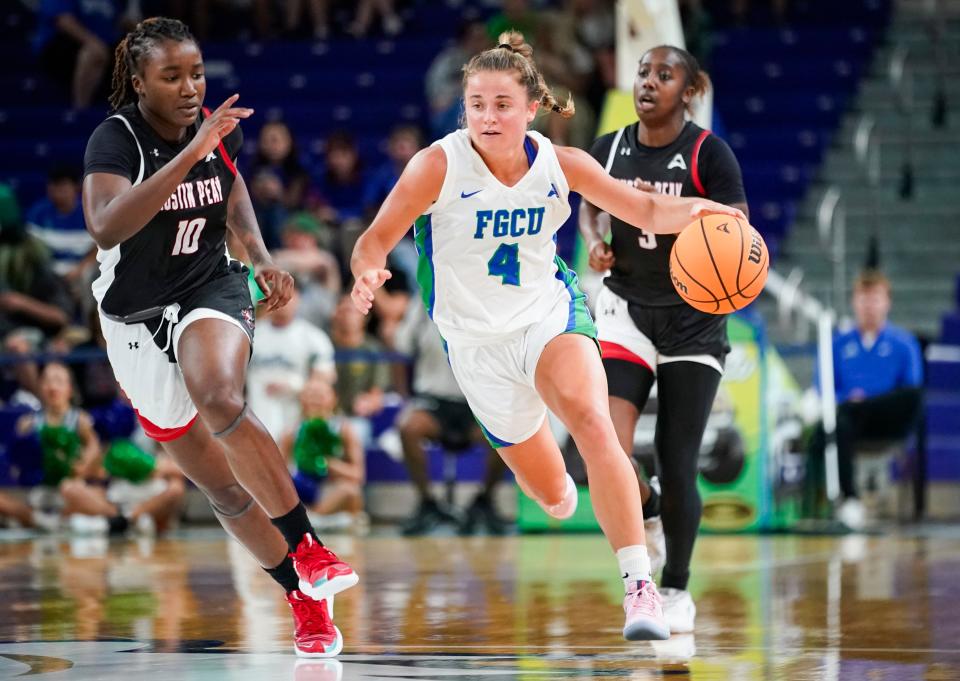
(720, 171)
(112, 149)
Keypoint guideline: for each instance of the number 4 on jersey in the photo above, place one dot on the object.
(188, 236)
(505, 263)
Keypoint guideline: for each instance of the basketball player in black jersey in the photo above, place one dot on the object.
(160, 191)
(647, 333)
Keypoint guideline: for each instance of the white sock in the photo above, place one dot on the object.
(634, 565)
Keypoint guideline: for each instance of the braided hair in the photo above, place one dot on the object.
(134, 47)
(513, 54)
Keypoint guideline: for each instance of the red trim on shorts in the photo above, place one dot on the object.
(223, 151)
(695, 162)
(610, 350)
(163, 434)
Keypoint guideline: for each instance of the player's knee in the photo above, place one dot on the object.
(229, 501)
(220, 405)
(591, 424)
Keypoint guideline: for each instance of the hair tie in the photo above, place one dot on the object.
(557, 108)
(506, 46)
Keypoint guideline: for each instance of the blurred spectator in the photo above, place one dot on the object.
(341, 187)
(143, 493)
(97, 384)
(287, 352)
(280, 179)
(57, 221)
(328, 454)
(11, 507)
(404, 142)
(277, 151)
(878, 375)
(31, 294)
(444, 79)
(56, 443)
(319, 14)
(439, 413)
(362, 380)
(390, 301)
(366, 13)
(74, 40)
(594, 27)
(307, 255)
(515, 15)
(567, 68)
(20, 381)
(266, 195)
(696, 30)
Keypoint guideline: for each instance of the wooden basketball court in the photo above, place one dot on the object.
(195, 606)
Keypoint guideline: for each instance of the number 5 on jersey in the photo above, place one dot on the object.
(188, 236)
(505, 263)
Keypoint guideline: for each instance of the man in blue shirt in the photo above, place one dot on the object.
(878, 375)
(57, 221)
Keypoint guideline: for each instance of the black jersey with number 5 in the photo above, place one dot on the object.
(184, 244)
(697, 163)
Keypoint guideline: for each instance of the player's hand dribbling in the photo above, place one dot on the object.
(601, 257)
(365, 285)
(218, 125)
(705, 207)
(276, 284)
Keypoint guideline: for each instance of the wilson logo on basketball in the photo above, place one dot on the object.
(718, 264)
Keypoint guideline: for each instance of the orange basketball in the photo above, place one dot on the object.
(719, 264)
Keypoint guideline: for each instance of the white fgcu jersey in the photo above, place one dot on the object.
(488, 257)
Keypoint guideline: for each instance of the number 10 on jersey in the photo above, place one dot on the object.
(188, 236)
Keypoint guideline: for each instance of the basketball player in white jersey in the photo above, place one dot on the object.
(487, 202)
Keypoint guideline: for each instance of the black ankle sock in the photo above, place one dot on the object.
(293, 525)
(651, 509)
(118, 524)
(285, 575)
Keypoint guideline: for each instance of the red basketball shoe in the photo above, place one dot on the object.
(314, 633)
(321, 573)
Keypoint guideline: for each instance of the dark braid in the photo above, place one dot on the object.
(132, 49)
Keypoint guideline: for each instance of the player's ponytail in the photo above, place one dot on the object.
(514, 54)
(122, 89)
(129, 54)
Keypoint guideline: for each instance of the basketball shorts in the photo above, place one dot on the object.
(658, 335)
(144, 354)
(497, 378)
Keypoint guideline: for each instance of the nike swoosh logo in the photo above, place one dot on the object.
(464, 195)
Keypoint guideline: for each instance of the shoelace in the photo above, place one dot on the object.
(311, 616)
(313, 557)
(644, 600)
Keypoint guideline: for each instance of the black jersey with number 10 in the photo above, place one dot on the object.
(697, 163)
(184, 244)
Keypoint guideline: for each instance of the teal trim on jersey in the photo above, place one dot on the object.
(423, 237)
(494, 441)
(579, 319)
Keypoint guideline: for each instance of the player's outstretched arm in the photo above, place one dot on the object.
(418, 187)
(115, 210)
(651, 212)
